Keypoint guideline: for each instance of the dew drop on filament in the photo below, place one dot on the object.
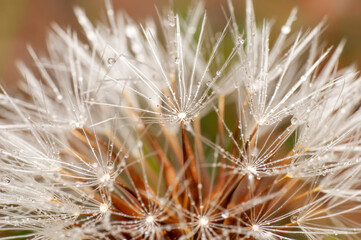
(6, 180)
(294, 121)
(294, 218)
(285, 30)
(225, 214)
(171, 19)
(59, 97)
(111, 61)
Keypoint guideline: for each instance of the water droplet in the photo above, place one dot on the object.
(59, 97)
(285, 30)
(218, 73)
(130, 31)
(171, 19)
(57, 175)
(254, 152)
(110, 12)
(6, 180)
(250, 180)
(75, 125)
(139, 144)
(294, 218)
(225, 214)
(111, 61)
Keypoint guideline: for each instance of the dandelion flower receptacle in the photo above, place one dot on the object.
(154, 131)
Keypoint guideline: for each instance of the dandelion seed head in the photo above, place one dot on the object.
(285, 30)
(152, 131)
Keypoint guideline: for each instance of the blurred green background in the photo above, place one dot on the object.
(25, 22)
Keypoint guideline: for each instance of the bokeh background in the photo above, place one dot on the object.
(25, 22)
